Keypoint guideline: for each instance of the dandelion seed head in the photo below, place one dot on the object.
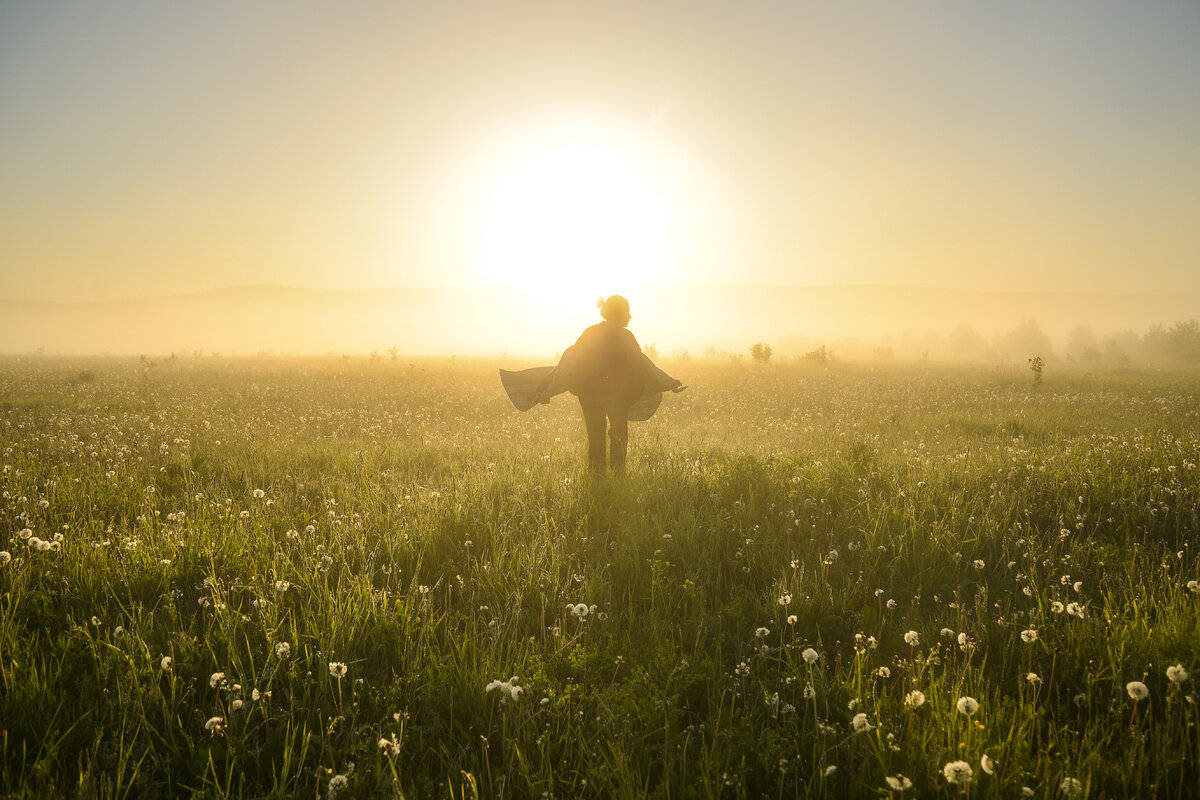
(967, 705)
(957, 772)
(1137, 690)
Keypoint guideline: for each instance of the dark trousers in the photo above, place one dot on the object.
(617, 414)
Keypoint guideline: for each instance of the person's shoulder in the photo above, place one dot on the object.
(591, 333)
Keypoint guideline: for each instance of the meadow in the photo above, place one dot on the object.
(368, 578)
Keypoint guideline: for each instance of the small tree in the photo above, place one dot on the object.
(1036, 364)
(820, 356)
(761, 353)
(651, 352)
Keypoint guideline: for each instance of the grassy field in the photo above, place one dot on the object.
(279, 577)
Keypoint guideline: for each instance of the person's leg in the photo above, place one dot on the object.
(593, 418)
(618, 434)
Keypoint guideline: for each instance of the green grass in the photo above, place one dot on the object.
(417, 529)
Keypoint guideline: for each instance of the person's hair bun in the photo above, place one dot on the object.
(599, 302)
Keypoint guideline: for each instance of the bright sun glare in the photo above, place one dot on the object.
(576, 215)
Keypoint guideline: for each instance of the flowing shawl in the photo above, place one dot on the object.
(527, 388)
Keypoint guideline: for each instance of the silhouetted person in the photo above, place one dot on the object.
(614, 380)
(610, 378)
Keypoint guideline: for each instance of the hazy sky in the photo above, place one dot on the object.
(151, 148)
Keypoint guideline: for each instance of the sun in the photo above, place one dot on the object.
(576, 215)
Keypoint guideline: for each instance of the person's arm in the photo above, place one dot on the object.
(656, 377)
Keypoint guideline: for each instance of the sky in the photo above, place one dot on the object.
(160, 148)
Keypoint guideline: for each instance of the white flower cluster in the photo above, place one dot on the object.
(509, 689)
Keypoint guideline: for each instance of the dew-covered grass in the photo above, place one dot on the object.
(284, 577)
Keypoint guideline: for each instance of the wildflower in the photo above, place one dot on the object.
(947, 633)
(898, 783)
(883, 672)
(978, 563)
(1193, 587)
(214, 724)
(859, 723)
(912, 638)
(5, 557)
(810, 656)
(958, 773)
(831, 770)
(762, 633)
(259, 494)
(1029, 636)
(742, 669)
(791, 620)
(336, 784)
(915, 698)
(167, 664)
(967, 705)
(987, 764)
(1076, 610)
(337, 669)
(1070, 787)
(1056, 607)
(509, 690)
(1027, 791)
(809, 692)
(282, 650)
(236, 705)
(1137, 690)
(1177, 673)
(216, 679)
(118, 632)
(1033, 678)
(282, 586)
(785, 599)
(580, 610)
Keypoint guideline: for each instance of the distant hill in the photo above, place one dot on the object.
(251, 319)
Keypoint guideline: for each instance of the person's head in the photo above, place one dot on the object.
(614, 309)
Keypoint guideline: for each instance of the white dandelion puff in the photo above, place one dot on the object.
(957, 772)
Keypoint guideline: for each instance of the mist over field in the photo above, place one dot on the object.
(860, 323)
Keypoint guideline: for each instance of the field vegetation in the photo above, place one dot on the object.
(286, 577)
